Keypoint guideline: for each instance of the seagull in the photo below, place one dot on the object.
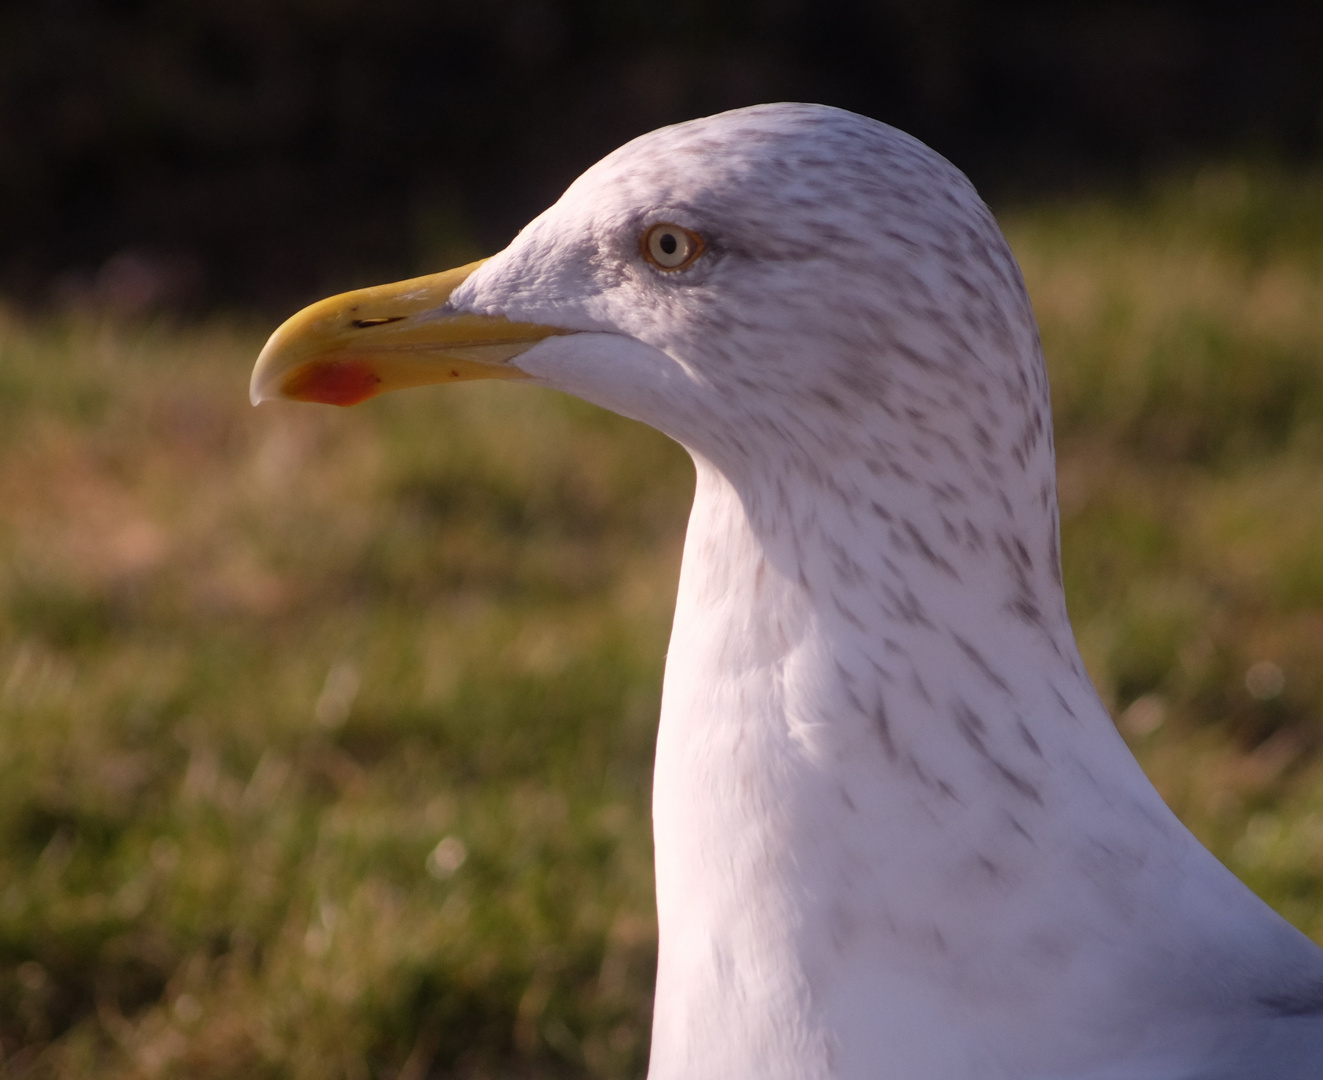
(897, 834)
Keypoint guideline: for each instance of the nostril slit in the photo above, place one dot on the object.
(363, 324)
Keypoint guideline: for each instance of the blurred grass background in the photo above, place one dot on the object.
(326, 736)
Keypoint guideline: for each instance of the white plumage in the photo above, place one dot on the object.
(897, 835)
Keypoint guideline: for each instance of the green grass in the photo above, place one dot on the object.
(326, 736)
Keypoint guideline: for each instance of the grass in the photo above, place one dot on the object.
(326, 737)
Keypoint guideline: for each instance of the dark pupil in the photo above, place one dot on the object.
(668, 243)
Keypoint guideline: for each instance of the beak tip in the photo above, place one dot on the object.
(259, 387)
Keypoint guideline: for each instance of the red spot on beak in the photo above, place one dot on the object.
(332, 382)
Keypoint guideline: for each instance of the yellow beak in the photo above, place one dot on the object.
(354, 346)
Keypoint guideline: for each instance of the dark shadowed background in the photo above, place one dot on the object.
(154, 152)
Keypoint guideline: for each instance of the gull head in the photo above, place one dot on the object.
(776, 282)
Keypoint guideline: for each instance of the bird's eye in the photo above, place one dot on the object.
(670, 247)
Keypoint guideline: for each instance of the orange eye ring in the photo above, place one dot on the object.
(670, 247)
